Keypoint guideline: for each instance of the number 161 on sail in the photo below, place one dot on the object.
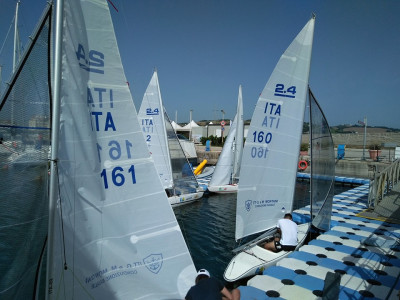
(118, 175)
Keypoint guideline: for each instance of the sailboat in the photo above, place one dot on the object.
(225, 177)
(112, 233)
(174, 170)
(270, 158)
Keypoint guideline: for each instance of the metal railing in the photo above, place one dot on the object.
(383, 183)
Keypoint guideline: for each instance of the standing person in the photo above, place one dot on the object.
(287, 229)
(209, 288)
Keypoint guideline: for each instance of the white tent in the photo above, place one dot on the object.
(176, 126)
(190, 125)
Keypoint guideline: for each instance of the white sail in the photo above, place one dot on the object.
(238, 137)
(270, 156)
(115, 235)
(170, 160)
(226, 171)
(151, 118)
(223, 170)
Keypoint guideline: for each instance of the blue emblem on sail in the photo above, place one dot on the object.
(248, 205)
(153, 262)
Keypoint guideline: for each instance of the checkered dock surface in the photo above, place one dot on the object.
(362, 254)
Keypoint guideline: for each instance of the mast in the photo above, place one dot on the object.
(311, 154)
(16, 39)
(54, 143)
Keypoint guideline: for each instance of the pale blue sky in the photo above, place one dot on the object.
(204, 49)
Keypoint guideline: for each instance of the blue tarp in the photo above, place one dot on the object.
(340, 151)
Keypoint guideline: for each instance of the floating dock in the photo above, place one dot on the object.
(352, 181)
(358, 258)
(338, 179)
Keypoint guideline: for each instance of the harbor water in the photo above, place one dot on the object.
(209, 227)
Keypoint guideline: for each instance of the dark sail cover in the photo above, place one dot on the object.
(322, 166)
(24, 151)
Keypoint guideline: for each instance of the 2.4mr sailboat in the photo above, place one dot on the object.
(172, 165)
(112, 233)
(225, 178)
(270, 159)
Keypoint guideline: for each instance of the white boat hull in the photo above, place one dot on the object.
(185, 198)
(255, 259)
(224, 189)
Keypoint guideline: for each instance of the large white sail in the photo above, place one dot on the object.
(269, 162)
(151, 118)
(115, 235)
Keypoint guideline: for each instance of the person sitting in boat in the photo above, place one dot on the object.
(208, 287)
(286, 237)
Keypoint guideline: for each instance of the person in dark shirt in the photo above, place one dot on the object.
(209, 288)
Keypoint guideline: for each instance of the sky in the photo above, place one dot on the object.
(203, 50)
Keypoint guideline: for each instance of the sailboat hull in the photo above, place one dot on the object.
(254, 259)
(224, 189)
(185, 198)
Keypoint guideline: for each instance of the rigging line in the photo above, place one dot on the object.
(38, 268)
(116, 9)
(8, 32)
(9, 148)
(252, 254)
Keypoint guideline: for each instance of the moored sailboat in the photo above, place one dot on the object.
(225, 177)
(175, 172)
(112, 231)
(270, 158)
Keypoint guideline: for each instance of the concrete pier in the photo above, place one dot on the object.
(352, 165)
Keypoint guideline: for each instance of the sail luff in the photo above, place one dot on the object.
(238, 137)
(55, 125)
(16, 38)
(164, 129)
